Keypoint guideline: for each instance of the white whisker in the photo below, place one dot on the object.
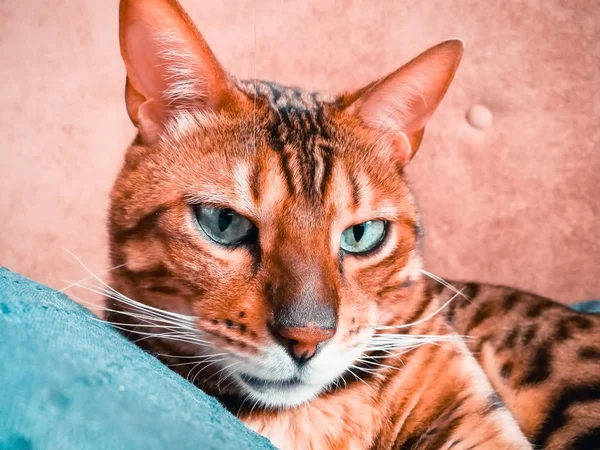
(222, 369)
(384, 366)
(183, 337)
(148, 321)
(88, 278)
(443, 282)
(436, 312)
(198, 359)
(128, 300)
(206, 367)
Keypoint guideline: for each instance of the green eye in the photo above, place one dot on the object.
(363, 237)
(223, 225)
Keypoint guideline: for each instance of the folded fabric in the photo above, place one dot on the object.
(69, 381)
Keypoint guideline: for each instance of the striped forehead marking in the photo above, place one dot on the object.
(300, 133)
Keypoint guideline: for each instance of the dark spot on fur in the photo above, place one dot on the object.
(510, 301)
(539, 367)
(589, 353)
(276, 144)
(159, 272)
(138, 140)
(409, 444)
(438, 289)
(255, 182)
(510, 339)
(587, 440)
(557, 416)
(564, 329)
(242, 314)
(583, 323)
(448, 427)
(471, 290)
(537, 309)
(529, 334)
(506, 369)
(165, 290)
(390, 289)
(269, 293)
(243, 328)
(229, 323)
(145, 225)
(450, 311)
(215, 322)
(481, 342)
(483, 312)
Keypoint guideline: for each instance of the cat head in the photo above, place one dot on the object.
(279, 220)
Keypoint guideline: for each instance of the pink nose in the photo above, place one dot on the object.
(302, 342)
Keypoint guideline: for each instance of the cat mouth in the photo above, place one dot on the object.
(260, 384)
(289, 392)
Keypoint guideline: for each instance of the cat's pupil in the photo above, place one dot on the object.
(358, 231)
(225, 218)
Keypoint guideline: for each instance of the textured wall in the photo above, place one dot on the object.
(516, 203)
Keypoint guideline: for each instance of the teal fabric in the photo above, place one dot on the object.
(68, 381)
(591, 307)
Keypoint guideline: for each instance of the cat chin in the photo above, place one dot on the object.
(278, 394)
(275, 381)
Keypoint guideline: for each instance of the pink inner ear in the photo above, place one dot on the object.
(166, 58)
(406, 100)
(403, 102)
(168, 67)
(145, 69)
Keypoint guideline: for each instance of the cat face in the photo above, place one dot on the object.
(279, 220)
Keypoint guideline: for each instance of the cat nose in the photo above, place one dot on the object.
(302, 342)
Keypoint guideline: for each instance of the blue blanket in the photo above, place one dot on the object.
(591, 307)
(68, 381)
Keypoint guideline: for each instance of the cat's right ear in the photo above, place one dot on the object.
(169, 66)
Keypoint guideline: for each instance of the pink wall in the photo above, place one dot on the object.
(515, 203)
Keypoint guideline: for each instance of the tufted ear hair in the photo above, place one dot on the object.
(169, 65)
(400, 104)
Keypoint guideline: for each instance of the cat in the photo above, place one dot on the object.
(267, 248)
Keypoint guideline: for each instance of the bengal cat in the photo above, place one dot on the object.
(267, 247)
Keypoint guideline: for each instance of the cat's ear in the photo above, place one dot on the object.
(400, 104)
(169, 65)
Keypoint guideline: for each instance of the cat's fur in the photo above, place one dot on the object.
(303, 167)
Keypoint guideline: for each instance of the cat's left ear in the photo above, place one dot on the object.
(400, 104)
